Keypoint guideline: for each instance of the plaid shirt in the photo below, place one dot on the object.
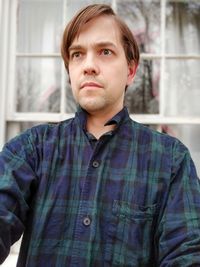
(130, 199)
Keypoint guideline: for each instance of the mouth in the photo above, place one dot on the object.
(90, 85)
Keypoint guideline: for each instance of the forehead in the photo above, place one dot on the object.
(100, 29)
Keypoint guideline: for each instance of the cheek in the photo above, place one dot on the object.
(120, 70)
(72, 71)
(121, 76)
(74, 93)
(72, 77)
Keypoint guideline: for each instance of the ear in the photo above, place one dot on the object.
(132, 67)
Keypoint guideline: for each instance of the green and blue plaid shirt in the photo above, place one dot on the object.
(132, 198)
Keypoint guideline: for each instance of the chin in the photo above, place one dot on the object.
(91, 108)
(92, 105)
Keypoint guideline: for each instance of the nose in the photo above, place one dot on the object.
(90, 65)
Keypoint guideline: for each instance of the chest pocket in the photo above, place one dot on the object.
(130, 234)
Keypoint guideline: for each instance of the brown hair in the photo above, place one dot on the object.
(88, 13)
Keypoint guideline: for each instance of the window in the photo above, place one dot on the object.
(165, 94)
(167, 78)
(35, 83)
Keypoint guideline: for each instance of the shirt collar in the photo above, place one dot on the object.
(118, 119)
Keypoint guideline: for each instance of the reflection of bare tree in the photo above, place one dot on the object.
(143, 17)
(53, 103)
(26, 84)
(183, 23)
(192, 9)
(32, 95)
(139, 98)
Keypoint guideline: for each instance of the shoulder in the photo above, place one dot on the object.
(163, 148)
(147, 134)
(37, 136)
(158, 141)
(49, 131)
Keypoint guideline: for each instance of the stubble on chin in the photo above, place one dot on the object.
(92, 105)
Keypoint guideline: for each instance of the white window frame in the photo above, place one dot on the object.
(10, 119)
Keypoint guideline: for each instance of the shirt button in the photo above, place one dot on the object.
(95, 164)
(87, 221)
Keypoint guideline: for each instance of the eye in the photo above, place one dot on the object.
(106, 52)
(75, 55)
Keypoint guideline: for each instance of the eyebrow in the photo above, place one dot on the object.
(98, 45)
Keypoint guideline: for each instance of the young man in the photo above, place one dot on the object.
(99, 189)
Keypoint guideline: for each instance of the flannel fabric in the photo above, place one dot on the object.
(130, 199)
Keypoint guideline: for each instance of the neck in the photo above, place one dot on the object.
(96, 122)
(96, 127)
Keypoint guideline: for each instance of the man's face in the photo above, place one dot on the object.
(98, 68)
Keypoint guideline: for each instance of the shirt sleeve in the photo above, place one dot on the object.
(17, 182)
(178, 233)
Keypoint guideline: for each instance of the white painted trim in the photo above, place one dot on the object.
(38, 55)
(1, 4)
(3, 67)
(185, 56)
(143, 118)
(39, 117)
(142, 55)
(11, 93)
(159, 119)
(63, 70)
(162, 65)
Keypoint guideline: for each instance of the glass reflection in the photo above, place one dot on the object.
(182, 92)
(38, 84)
(142, 96)
(182, 27)
(74, 6)
(143, 18)
(39, 26)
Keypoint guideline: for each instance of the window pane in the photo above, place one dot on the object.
(38, 84)
(182, 91)
(189, 135)
(27, 125)
(143, 18)
(74, 6)
(71, 105)
(183, 24)
(39, 26)
(142, 96)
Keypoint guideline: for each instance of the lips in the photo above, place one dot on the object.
(90, 84)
